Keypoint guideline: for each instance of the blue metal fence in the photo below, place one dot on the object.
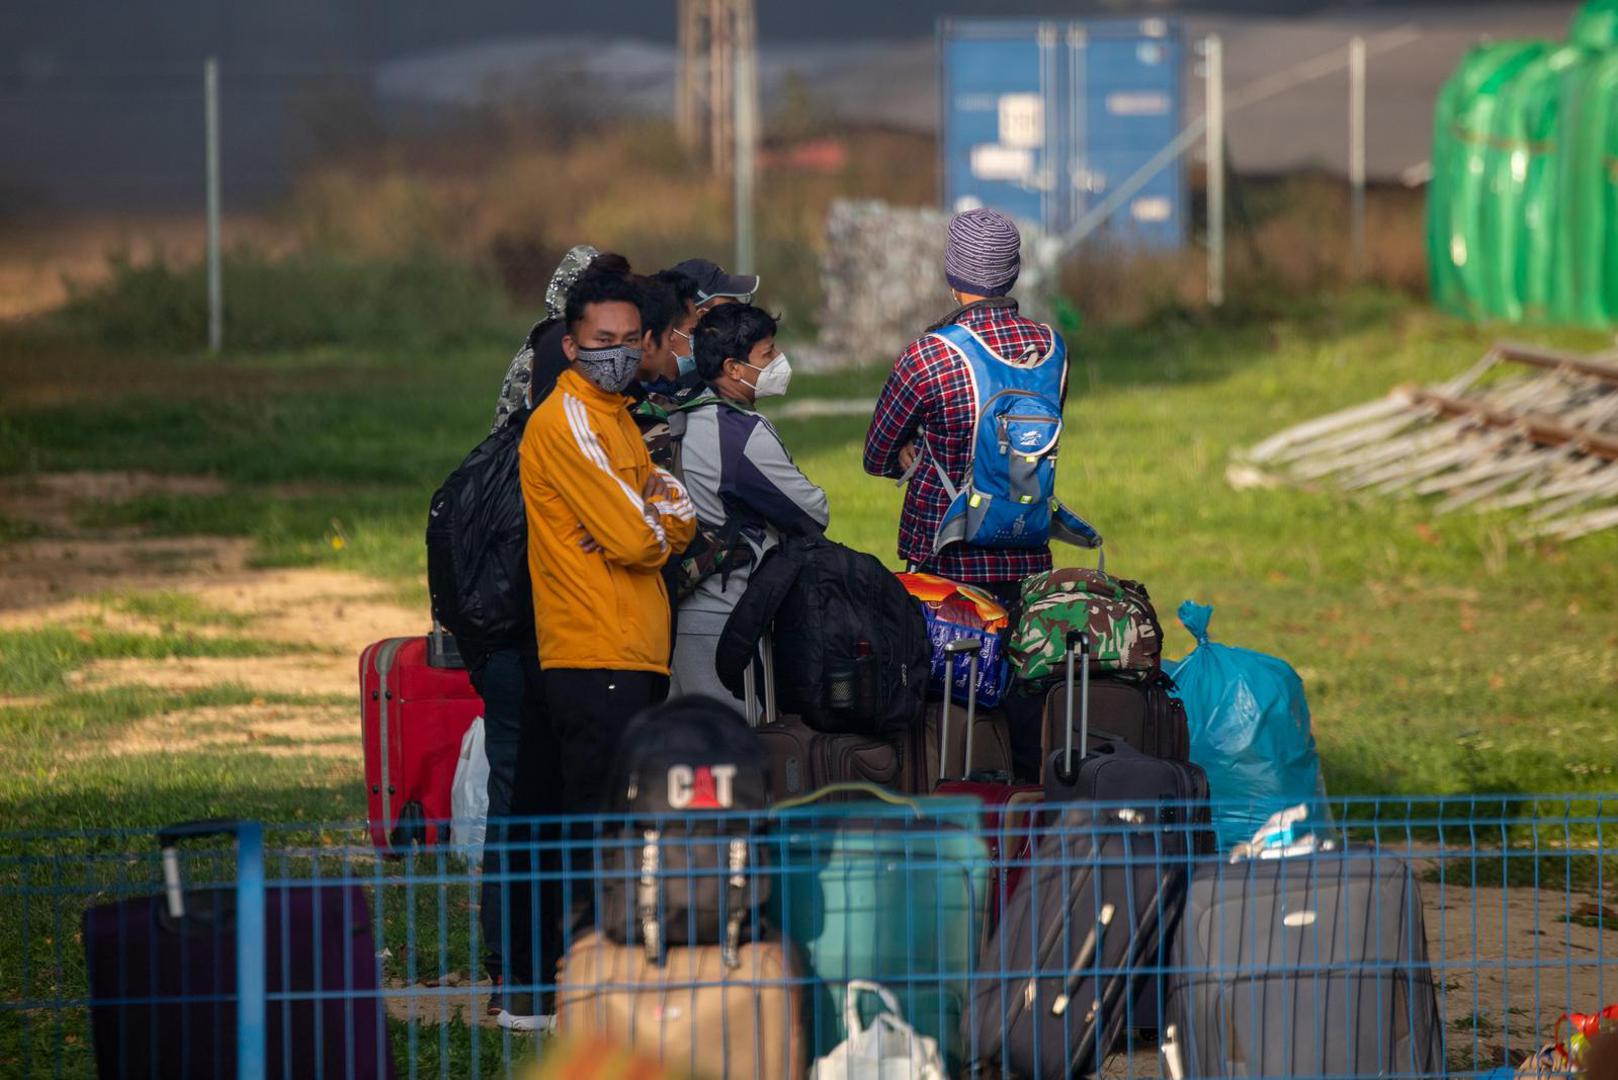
(1440, 937)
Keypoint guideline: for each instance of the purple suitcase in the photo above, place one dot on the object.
(163, 989)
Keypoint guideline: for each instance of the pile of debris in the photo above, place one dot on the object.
(1525, 427)
(882, 276)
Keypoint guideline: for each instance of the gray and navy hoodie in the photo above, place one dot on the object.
(734, 461)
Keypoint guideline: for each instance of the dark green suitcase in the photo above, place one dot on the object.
(890, 889)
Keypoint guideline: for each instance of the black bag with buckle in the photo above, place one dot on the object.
(681, 872)
(852, 655)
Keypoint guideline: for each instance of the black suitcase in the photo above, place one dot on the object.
(1083, 921)
(163, 983)
(1174, 792)
(1112, 771)
(803, 760)
(1309, 966)
(1143, 713)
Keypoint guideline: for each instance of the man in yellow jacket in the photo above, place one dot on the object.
(602, 521)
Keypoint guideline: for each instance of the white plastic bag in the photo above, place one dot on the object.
(889, 1049)
(469, 797)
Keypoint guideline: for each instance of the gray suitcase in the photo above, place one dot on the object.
(1310, 966)
(1072, 945)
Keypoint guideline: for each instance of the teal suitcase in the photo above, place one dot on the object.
(892, 891)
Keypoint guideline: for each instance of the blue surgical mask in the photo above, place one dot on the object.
(688, 364)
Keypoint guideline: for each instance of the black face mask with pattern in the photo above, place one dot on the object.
(612, 369)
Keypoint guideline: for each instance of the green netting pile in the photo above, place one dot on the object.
(1522, 213)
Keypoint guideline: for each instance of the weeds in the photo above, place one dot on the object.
(316, 297)
(172, 610)
(1480, 1024)
(37, 661)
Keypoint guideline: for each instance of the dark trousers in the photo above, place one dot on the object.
(591, 708)
(1025, 713)
(521, 926)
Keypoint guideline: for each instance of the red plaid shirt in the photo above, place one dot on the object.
(930, 388)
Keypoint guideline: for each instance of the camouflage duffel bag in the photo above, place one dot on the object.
(1125, 636)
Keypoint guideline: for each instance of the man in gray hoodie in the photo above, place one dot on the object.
(739, 476)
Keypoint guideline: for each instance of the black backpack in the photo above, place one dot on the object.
(680, 873)
(851, 648)
(477, 548)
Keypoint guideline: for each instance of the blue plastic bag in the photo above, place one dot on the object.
(1249, 731)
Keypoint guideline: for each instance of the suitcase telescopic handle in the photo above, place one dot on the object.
(766, 659)
(168, 842)
(971, 646)
(249, 915)
(1170, 1049)
(1078, 642)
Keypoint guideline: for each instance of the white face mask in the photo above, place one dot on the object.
(773, 378)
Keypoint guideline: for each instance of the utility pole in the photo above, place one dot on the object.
(746, 124)
(687, 73)
(1214, 101)
(716, 101)
(1356, 151)
(717, 70)
(216, 288)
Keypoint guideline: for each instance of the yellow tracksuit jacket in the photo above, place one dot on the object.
(583, 467)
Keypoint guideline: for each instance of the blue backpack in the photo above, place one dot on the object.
(1009, 497)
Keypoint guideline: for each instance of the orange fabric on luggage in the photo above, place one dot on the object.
(937, 591)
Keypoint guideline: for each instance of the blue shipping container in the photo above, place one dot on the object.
(1043, 118)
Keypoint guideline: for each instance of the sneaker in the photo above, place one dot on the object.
(520, 1014)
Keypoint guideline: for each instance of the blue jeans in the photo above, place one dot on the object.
(524, 781)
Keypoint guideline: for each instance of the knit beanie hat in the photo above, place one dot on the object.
(981, 256)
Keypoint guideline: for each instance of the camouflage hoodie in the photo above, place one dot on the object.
(519, 376)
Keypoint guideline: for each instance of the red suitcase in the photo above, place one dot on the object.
(413, 713)
(1008, 826)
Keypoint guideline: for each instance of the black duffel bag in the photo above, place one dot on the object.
(852, 655)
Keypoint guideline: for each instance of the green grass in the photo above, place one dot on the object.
(176, 609)
(1440, 655)
(12, 529)
(37, 661)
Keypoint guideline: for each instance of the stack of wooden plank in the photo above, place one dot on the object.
(1525, 427)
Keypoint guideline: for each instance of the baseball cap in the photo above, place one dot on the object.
(712, 281)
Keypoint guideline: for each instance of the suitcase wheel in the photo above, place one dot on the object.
(410, 828)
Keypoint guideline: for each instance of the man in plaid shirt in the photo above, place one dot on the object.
(927, 409)
(927, 405)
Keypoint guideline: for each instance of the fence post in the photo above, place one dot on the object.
(1356, 150)
(250, 961)
(1214, 103)
(216, 297)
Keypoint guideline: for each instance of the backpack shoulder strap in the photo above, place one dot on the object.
(709, 399)
(961, 337)
(767, 588)
(678, 419)
(538, 331)
(971, 349)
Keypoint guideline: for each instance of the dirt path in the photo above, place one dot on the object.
(72, 577)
